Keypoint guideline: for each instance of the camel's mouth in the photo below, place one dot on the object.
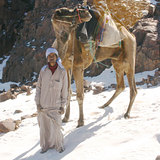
(72, 15)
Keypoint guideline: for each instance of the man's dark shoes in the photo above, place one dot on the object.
(43, 150)
(61, 150)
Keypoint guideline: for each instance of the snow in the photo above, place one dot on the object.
(150, 1)
(3, 65)
(153, 2)
(105, 135)
(5, 86)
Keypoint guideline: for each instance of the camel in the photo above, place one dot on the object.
(75, 57)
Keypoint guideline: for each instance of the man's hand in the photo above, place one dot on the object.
(39, 108)
(61, 110)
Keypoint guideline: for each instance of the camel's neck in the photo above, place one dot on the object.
(70, 45)
(66, 45)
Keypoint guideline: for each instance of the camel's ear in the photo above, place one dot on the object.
(84, 15)
(57, 14)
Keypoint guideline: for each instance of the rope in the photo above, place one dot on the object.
(91, 51)
(94, 57)
(79, 16)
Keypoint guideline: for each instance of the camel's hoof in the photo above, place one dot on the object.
(102, 107)
(126, 116)
(80, 124)
(65, 120)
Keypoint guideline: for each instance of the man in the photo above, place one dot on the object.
(51, 97)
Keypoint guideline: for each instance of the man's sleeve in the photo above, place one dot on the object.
(38, 89)
(64, 91)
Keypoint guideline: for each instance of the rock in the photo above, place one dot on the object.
(151, 80)
(128, 12)
(17, 111)
(29, 116)
(7, 125)
(2, 2)
(157, 10)
(158, 157)
(15, 91)
(13, 86)
(46, 3)
(18, 122)
(157, 73)
(140, 83)
(30, 43)
(13, 96)
(26, 116)
(87, 85)
(147, 57)
(1, 91)
(34, 114)
(5, 96)
(25, 64)
(34, 85)
(151, 10)
(113, 86)
(11, 21)
(24, 88)
(98, 88)
(28, 92)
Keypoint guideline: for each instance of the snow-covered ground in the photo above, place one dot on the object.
(153, 1)
(106, 134)
(4, 86)
(149, 1)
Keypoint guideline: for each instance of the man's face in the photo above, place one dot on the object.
(52, 58)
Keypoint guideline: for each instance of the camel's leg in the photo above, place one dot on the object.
(120, 83)
(130, 51)
(78, 77)
(133, 91)
(67, 113)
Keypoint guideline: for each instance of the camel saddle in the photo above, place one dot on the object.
(101, 29)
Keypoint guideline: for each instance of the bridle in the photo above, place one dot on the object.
(79, 17)
(76, 13)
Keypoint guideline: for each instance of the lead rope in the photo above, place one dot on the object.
(79, 16)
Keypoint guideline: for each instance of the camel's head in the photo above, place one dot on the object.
(71, 16)
(64, 21)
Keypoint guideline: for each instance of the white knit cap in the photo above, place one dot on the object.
(51, 50)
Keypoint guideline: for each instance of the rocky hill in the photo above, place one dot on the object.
(12, 13)
(26, 32)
